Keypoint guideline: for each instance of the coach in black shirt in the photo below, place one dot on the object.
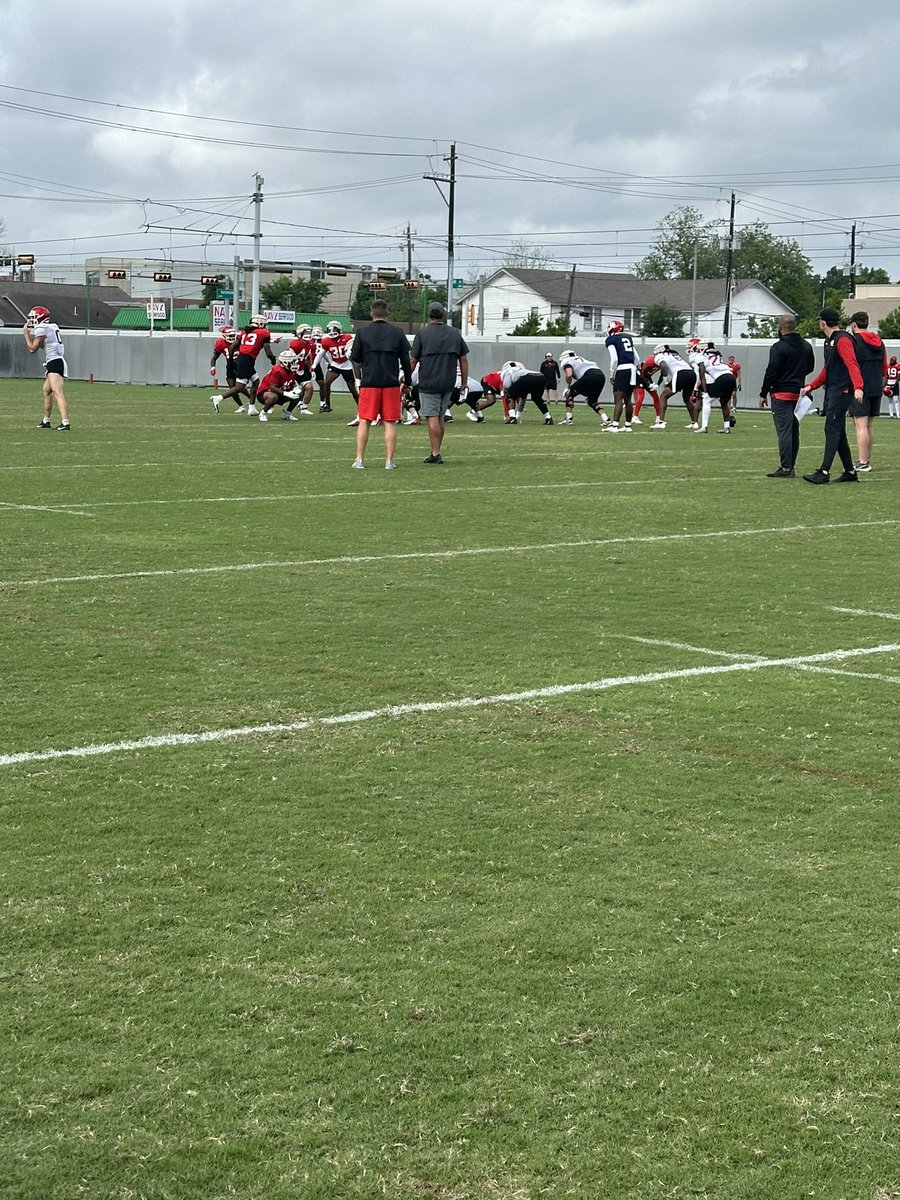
(791, 359)
(380, 355)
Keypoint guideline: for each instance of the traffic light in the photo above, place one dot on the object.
(471, 314)
(335, 269)
(412, 284)
(25, 260)
(211, 280)
(162, 276)
(376, 286)
(387, 272)
(116, 274)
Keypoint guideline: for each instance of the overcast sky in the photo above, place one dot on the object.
(578, 125)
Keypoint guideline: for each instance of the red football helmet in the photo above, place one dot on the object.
(615, 327)
(38, 316)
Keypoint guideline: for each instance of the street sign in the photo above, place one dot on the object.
(221, 294)
(459, 283)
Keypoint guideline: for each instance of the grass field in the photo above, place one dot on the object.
(533, 834)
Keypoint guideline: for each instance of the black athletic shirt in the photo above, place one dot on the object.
(382, 352)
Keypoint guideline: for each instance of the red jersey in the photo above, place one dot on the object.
(893, 373)
(305, 349)
(492, 382)
(252, 341)
(222, 347)
(735, 369)
(337, 350)
(278, 378)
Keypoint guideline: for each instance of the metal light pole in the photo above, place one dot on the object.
(257, 217)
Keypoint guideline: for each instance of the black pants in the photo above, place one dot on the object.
(787, 427)
(837, 405)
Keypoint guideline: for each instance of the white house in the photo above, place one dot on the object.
(595, 298)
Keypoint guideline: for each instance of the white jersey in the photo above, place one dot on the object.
(579, 365)
(714, 366)
(511, 374)
(51, 341)
(671, 363)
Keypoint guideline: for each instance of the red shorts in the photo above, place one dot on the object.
(379, 402)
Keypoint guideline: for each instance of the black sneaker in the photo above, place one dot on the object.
(448, 417)
(64, 425)
(818, 476)
(323, 408)
(781, 473)
(862, 466)
(848, 477)
(732, 421)
(548, 420)
(433, 458)
(45, 425)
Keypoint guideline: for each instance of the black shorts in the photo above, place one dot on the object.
(55, 366)
(528, 386)
(245, 367)
(590, 385)
(869, 406)
(624, 379)
(723, 388)
(684, 381)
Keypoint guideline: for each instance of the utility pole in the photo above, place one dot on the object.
(481, 303)
(257, 216)
(729, 273)
(451, 203)
(694, 288)
(236, 294)
(409, 250)
(567, 311)
(853, 262)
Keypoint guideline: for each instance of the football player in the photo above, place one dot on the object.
(624, 365)
(225, 344)
(717, 381)
(892, 387)
(675, 375)
(523, 385)
(41, 333)
(583, 378)
(334, 353)
(280, 386)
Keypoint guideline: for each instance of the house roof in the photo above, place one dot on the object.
(599, 289)
(198, 320)
(67, 303)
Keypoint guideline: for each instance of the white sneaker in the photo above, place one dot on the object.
(390, 465)
(252, 410)
(567, 421)
(375, 423)
(700, 431)
(472, 415)
(612, 427)
(288, 417)
(413, 419)
(240, 409)
(692, 425)
(357, 464)
(216, 401)
(350, 425)
(636, 421)
(304, 410)
(263, 417)
(604, 419)
(727, 429)
(658, 425)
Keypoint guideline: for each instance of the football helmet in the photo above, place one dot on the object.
(258, 321)
(228, 332)
(303, 331)
(615, 327)
(512, 365)
(317, 331)
(662, 348)
(334, 329)
(693, 344)
(893, 361)
(38, 316)
(567, 356)
(287, 358)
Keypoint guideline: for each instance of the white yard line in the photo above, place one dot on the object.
(430, 706)
(645, 641)
(65, 509)
(867, 612)
(465, 552)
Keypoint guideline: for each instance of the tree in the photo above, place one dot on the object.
(210, 290)
(362, 301)
(525, 254)
(761, 327)
(560, 328)
(672, 250)
(301, 295)
(889, 325)
(662, 320)
(780, 265)
(532, 326)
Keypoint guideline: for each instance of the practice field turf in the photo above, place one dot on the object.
(522, 827)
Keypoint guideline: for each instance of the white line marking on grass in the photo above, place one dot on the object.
(427, 706)
(761, 658)
(65, 509)
(464, 552)
(866, 612)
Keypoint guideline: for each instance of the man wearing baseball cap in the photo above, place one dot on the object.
(441, 354)
(843, 384)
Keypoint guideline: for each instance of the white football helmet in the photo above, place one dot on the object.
(662, 348)
(615, 327)
(567, 356)
(334, 329)
(287, 358)
(317, 331)
(38, 316)
(512, 365)
(303, 331)
(258, 321)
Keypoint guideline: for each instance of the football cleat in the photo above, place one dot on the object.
(216, 401)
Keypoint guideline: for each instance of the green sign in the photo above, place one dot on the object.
(459, 283)
(220, 295)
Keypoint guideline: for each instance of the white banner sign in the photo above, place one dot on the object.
(280, 316)
(156, 311)
(221, 313)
